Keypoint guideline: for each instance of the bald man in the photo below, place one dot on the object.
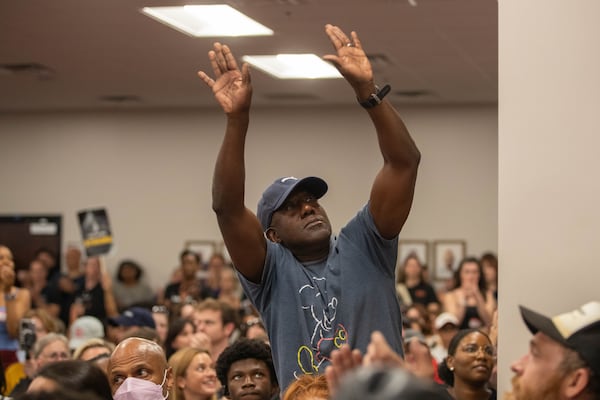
(138, 369)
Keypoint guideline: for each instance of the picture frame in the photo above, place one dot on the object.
(410, 246)
(447, 255)
(206, 248)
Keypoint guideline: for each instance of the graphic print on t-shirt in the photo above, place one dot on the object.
(327, 335)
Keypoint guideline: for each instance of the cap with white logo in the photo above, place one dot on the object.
(578, 330)
(278, 192)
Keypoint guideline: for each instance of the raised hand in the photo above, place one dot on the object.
(343, 361)
(231, 86)
(350, 58)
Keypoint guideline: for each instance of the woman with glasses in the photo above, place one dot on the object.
(51, 348)
(468, 367)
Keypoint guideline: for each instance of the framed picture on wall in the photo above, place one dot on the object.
(420, 248)
(447, 254)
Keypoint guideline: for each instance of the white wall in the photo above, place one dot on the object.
(152, 171)
(549, 189)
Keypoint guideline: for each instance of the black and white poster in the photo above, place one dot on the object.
(95, 231)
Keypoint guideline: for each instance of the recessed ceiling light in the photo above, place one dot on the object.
(215, 20)
(294, 66)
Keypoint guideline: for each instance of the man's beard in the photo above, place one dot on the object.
(548, 390)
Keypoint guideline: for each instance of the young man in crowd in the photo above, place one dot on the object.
(218, 321)
(246, 369)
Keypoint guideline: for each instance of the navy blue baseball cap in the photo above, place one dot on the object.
(278, 192)
(135, 316)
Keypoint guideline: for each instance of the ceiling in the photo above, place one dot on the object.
(82, 55)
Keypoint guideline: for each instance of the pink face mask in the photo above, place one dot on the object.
(140, 389)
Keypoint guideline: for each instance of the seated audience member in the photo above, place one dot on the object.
(308, 387)
(417, 316)
(58, 394)
(190, 287)
(468, 367)
(417, 356)
(51, 348)
(445, 327)
(230, 290)
(48, 258)
(131, 319)
(160, 314)
(194, 375)
(253, 328)
(138, 369)
(246, 367)
(95, 298)
(489, 263)
(129, 288)
(80, 376)
(145, 333)
(380, 383)
(182, 333)
(83, 329)
(40, 288)
(43, 321)
(219, 321)
(92, 348)
(471, 302)
(13, 305)
(69, 283)
(216, 264)
(564, 356)
(411, 285)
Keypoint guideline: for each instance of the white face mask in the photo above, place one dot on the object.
(140, 389)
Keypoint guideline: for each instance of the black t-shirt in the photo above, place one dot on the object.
(423, 293)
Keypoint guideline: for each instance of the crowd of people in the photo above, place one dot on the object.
(305, 313)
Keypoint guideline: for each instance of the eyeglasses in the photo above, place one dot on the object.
(160, 309)
(56, 356)
(473, 349)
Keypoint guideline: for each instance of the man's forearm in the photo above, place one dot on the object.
(395, 142)
(229, 174)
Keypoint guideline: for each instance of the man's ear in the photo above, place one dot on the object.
(273, 236)
(229, 328)
(575, 382)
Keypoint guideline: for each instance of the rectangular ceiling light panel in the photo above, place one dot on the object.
(216, 20)
(294, 66)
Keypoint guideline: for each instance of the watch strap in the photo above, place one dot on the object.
(375, 98)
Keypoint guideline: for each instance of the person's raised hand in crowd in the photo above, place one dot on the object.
(380, 352)
(231, 86)
(345, 360)
(201, 340)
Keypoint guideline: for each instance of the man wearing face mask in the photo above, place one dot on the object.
(138, 370)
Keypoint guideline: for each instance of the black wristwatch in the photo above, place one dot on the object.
(375, 98)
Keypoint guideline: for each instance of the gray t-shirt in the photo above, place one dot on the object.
(311, 309)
